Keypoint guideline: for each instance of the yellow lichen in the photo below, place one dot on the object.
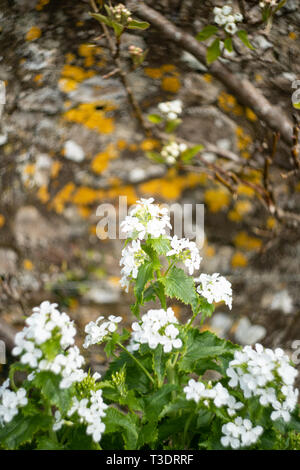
(95, 119)
(155, 73)
(240, 209)
(239, 260)
(101, 160)
(251, 115)
(84, 196)
(217, 199)
(34, 33)
(28, 265)
(67, 84)
(244, 241)
(149, 144)
(43, 194)
(2, 220)
(62, 197)
(55, 168)
(171, 84)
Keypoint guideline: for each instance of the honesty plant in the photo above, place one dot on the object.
(156, 392)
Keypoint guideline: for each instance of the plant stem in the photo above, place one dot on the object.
(137, 361)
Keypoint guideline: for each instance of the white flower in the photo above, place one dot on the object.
(231, 28)
(98, 330)
(186, 251)
(146, 220)
(156, 327)
(240, 433)
(91, 411)
(58, 421)
(172, 151)
(215, 288)
(10, 402)
(171, 109)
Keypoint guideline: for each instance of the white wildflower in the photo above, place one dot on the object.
(215, 288)
(98, 330)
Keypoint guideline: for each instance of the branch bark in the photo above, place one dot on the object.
(243, 90)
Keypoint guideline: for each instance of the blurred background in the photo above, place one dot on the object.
(69, 142)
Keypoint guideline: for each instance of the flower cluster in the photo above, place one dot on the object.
(10, 402)
(170, 109)
(172, 151)
(98, 330)
(121, 13)
(186, 251)
(268, 375)
(156, 327)
(48, 326)
(268, 3)
(133, 256)
(135, 50)
(146, 220)
(240, 433)
(90, 412)
(215, 288)
(225, 17)
(218, 394)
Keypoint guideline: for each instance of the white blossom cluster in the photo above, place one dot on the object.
(186, 251)
(215, 288)
(98, 330)
(218, 394)
(48, 324)
(172, 151)
(227, 18)
(133, 256)
(268, 375)
(156, 327)
(240, 433)
(171, 109)
(120, 13)
(10, 402)
(146, 220)
(268, 3)
(90, 412)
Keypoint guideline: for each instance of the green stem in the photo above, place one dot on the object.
(137, 361)
(186, 427)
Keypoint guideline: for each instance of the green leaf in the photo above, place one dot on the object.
(118, 28)
(188, 154)
(207, 32)
(243, 36)
(205, 345)
(22, 429)
(155, 118)
(155, 156)
(172, 125)
(48, 383)
(134, 24)
(296, 105)
(116, 420)
(228, 44)
(213, 52)
(179, 285)
(145, 274)
(47, 443)
(101, 18)
(159, 363)
(155, 402)
(160, 245)
(180, 404)
(148, 434)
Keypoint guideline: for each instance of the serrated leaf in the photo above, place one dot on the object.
(116, 420)
(155, 402)
(205, 345)
(159, 363)
(135, 24)
(148, 434)
(145, 274)
(22, 429)
(206, 32)
(213, 52)
(48, 383)
(243, 36)
(179, 285)
(160, 245)
(47, 443)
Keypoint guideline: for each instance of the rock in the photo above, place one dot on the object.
(136, 175)
(221, 323)
(198, 90)
(96, 89)
(31, 229)
(192, 62)
(46, 100)
(73, 151)
(282, 301)
(261, 42)
(102, 292)
(8, 261)
(246, 333)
